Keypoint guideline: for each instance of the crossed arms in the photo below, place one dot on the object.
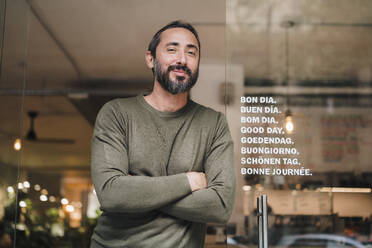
(193, 196)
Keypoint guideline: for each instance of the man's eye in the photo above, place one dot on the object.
(171, 50)
(191, 53)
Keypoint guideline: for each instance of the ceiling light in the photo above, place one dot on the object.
(288, 122)
(17, 144)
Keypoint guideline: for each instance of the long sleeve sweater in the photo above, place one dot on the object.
(140, 157)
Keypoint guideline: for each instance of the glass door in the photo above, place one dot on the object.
(14, 28)
(61, 62)
(299, 76)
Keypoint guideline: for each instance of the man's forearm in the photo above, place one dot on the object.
(129, 194)
(207, 205)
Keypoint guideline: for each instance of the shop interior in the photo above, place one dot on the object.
(309, 61)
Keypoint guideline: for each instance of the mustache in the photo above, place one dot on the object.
(180, 67)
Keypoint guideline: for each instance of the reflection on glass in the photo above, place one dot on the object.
(13, 30)
(288, 122)
(319, 73)
(76, 61)
(320, 68)
(17, 144)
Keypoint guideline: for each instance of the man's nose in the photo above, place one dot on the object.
(181, 58)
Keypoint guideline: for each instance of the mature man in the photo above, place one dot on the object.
(162, 165)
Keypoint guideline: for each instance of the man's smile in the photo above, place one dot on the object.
(179, 72)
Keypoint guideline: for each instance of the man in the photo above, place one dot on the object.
(162, 165)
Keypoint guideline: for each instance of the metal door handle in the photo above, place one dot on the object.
(262, 221)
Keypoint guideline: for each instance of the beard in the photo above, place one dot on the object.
(175, 86)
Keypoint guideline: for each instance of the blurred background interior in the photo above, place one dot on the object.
(62, 60)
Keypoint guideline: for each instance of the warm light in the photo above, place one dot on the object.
(288, 122)
(289, 125)
(345, 190)
(17, 144)
(37, 187)
(20, 185)
(325, 189)
(64, 201)
(246, 188)
(77, 204)
(22, 204)
(75, 216)
(43, 198)
(44, 191)
(52, 199)
(259, 187)
(10, 189)
(70, 208)
(26, 184)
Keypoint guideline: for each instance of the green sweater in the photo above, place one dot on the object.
(140, 157)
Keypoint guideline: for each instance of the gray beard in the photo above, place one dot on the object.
(177, 86)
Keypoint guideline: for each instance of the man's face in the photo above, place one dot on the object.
(176, 65)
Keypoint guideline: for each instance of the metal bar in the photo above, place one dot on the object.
(336, 24)
(263, 241)
(296, 90)
(259, 221)
(209, 24)
(2, 32)
(251, 91)
(330, 24)
(264, 221)
(70, 92)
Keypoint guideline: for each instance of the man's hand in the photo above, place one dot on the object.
(197, 180)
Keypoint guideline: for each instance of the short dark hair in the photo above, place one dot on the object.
(175, 24)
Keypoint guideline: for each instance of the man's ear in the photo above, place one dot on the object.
(149, 60)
